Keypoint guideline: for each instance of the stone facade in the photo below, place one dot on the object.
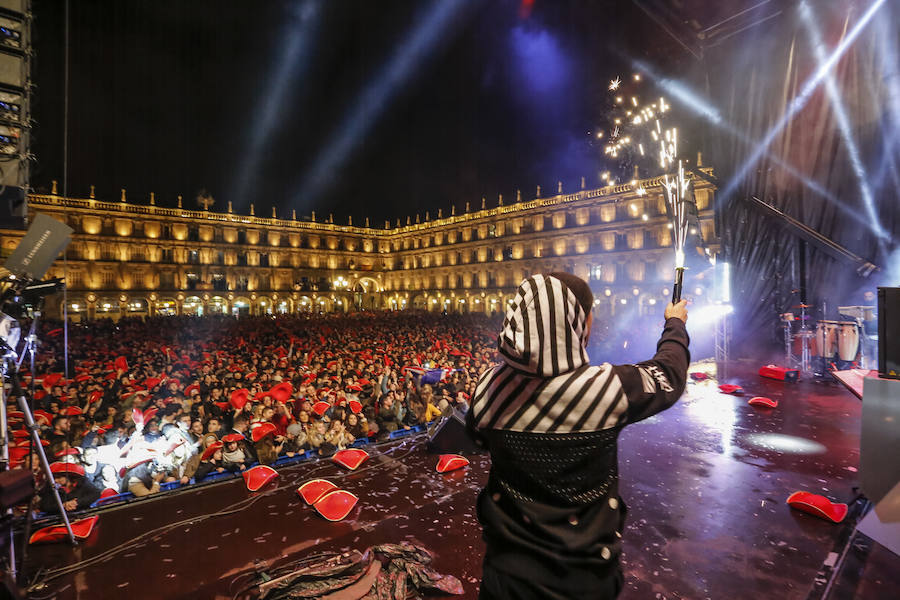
(139, 259)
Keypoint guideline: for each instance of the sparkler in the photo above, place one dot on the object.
(635, 125)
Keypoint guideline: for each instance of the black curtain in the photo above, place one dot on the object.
(808, 171)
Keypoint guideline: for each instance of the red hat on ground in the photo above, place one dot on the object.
(350, 458)
(817, 505)
(211, 449)
(730, 388)
(239, 398)
(763, 402)
(262, 430)
(451, 462)
(313, 490)
(66, 468)
(336, 505)
(232, 437)
(57, 533)
(259, 476)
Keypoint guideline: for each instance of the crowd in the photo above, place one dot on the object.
(177, 399)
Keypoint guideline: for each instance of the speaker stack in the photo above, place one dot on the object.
(15, 95)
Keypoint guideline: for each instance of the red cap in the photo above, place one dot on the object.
(66, 467)
(282, 392)
(763, 402)
(121, 364)
(259, 476)
(355, 406)
(42, 415)
(15, 414)
(191, 388)
(451, 462)
(50, 380)
(336, 505)
(313, 490)
(68, 452)
(817, 505)
(211, 449)
(262, 430)
(320, 407)
(72, 411)
(730, 388)
(83, 377)
(240, 397)
(350, 458)
(251, 375)
(232, 437)
(151, 382)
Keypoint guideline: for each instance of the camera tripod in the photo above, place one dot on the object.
(9, 372)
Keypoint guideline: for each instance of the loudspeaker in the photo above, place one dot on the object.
(889, 332)
(449, 436)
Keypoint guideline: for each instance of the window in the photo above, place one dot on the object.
(242, 237)
(264, 282)
(165, 255)
(192, 280)
(167, 281)
(263, 259)
(219, 283)
(108, 278)
(220, 257)
(242, 259)
(193, 234)
(74, 280)
(193, 257)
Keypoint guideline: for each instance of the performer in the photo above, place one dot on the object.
(551, 513)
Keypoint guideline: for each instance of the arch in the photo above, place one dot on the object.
(108, 308)
(217, 305)
(367, 285)
(77, 310)
(240, 307)
(137, 307)
(649, 304)
(166, 307)
(493, 303)
(264, 305)
(419, 302)
(283, 306)
(323, 304)
(305, 304)
(193, 306)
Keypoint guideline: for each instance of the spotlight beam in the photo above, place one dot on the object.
(292, 61)
(800, 100)
(420, 43)
(703, 108)
(843, 121)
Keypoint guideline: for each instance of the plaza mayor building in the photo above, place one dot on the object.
(130, 258)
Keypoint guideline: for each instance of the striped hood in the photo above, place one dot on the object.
(544, 383)
(544, 329)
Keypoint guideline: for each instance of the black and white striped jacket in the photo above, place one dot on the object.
(550, 421)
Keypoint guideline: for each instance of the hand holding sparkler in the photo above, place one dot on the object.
(677, 310)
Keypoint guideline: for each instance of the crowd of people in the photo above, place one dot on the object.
(178, 399)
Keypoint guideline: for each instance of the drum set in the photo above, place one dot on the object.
(832, 345)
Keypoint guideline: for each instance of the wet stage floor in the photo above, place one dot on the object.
(705, 483)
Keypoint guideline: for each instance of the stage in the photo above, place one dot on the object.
(705, 483)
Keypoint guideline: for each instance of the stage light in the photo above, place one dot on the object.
(607, 292)
(623, 301)
(698, 291)
(292, 61)
(635, 291)
(645, 217)
(652, 301)
(426, 35)
(800, 100)
(843, 122)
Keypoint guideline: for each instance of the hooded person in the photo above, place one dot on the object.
(551, 514)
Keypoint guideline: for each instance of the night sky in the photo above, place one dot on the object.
(378, 109)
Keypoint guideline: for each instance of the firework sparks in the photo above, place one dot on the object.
(614, 84)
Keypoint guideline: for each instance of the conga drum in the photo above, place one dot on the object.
(826, 338)
(848, 341)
